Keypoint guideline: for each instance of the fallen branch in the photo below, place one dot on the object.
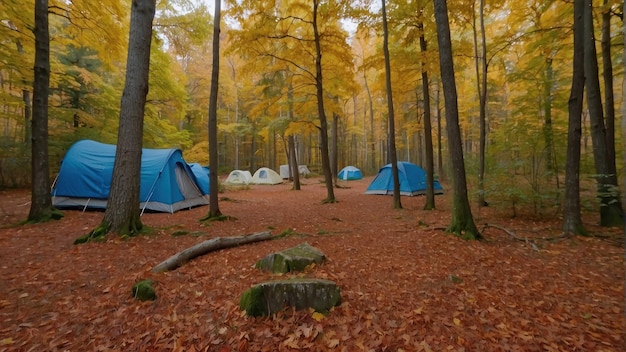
(510, 233)
(207, 246)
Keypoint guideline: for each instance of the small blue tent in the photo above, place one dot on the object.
(167, 182)
(350, 173)
(412, 181)
(202, 176)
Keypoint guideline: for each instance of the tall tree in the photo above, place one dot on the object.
(462, 220)
(428, 137)
(330, 194)
(572, 222)
(482, 95)
(123, 214)
(611, 213)
(41, 204)
(214, 209)
(609, 99)
(397, 204)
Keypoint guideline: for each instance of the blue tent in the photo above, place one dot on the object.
(202, 176)
(167, 182)
(350, 173)
(412, 181)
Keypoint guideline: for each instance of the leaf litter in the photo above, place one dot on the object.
(405, 286)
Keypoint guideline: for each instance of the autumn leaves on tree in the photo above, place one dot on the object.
(317, 83)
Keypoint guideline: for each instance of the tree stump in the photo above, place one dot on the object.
(292, 259)
(270, 297)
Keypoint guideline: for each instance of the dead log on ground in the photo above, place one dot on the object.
(208, 246)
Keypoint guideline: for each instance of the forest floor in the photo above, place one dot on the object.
(406, 284)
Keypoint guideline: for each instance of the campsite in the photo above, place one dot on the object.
(406, 284)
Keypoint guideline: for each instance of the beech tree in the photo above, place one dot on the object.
(611, 213)
(122, 216)
(572, 222)
(462, 219)
(41, 203)
(391, 133)
(214, 209)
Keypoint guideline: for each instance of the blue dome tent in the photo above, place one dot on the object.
(167, 182)
(350, 173)
(412, 181)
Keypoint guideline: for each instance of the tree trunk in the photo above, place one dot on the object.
(611, 213)
(624, 114)
(122, 216)
(214, 209)
(371, 163)
(481, 82)
(572, 222)
(393, 158)
(547, 116)
(462, 220)
(428, 137)
(293, 160)
(328, 178)
(41, 204)
(609, 100)
(334, 147)
(208, 246)
(440, 168)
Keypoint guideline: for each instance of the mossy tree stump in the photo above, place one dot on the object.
(292, 259)
(270, 297)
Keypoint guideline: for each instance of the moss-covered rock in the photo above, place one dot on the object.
(144, 291)
(292, 259)
(270, 297)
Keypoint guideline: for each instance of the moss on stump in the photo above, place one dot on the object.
(270, 297)
(144, 291)
(292, 259)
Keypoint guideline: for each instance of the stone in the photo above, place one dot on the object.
(273, 296)
(292, 259)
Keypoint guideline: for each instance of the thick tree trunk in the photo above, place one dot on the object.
(214, 209)
(123, 215)
(462, 220)
(428, 137)
(328, 177)
(572, 222)
(611, 213)
(393, 158)
(41, 204)
(208, 246)
(609, 100)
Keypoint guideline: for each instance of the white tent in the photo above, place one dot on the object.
(238, 177)
(265, 176)
(286, 173)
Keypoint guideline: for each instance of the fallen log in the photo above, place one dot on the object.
(208, 246)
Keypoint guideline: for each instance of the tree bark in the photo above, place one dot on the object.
(208, 246)
(393, 158)
(428, 137)
(609, 99)
(41, 203)
(572, 222)
(214, 209)
(293, 160)
(123, 215)
(328, 177)
(611, 213)
(462, 220)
